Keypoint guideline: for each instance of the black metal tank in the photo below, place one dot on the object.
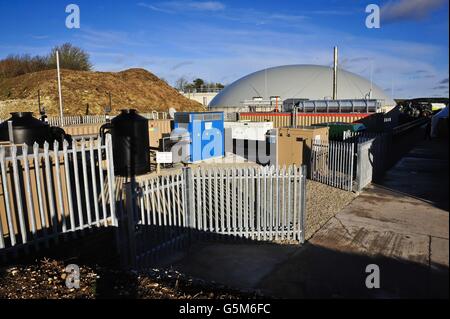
(28, 130)
(130, 142)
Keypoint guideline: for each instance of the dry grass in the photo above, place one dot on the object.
(133, 88)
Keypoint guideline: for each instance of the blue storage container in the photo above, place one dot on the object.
(205, 131)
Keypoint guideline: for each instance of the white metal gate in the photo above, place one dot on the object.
(263, 203)
(259, 203)
(332, 163)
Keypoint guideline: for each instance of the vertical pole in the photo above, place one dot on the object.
(335, 65)
(59, 90)
(351, 154)
(371, 79)
(129, 219)
(11, 132)
(4, 180)
(302, 214)
(17, 189)
(111, 178)
(39, 101)
(358, 167)
(189, 195)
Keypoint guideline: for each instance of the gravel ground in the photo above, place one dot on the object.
(46, 279)
(322, 203)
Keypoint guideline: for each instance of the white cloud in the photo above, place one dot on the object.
(180, 6)
(206, 5)
(154, 8)
(409, 9)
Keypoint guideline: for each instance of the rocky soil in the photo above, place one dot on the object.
(46, 279)
(322, 203)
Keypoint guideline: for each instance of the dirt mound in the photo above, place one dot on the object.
(133, 88)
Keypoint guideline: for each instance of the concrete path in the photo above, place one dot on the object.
(405, 237)
(403, 229)
(402, 226)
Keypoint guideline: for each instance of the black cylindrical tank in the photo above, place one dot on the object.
(26, 129)
(130, 142)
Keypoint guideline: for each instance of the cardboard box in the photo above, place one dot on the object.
(290, 150)
(288, 138)
(156, 129)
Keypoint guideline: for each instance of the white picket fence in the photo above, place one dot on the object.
(260, 203)
(51, 191)
(332, 163)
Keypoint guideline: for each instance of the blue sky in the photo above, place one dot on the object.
(225, 40)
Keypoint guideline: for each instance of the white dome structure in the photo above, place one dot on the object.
(313, 82)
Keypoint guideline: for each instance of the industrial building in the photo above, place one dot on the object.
(267, 89)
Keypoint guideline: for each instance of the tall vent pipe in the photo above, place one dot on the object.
(335, 65)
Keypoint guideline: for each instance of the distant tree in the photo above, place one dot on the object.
(181, 84)
(198, 83)
(70, 57)
(15, 65)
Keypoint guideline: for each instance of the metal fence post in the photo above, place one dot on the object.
(359, 167)
(302, 204)
(188, 189)
(129, 219)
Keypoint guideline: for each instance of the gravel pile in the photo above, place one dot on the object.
(47, 280)
(322, 203)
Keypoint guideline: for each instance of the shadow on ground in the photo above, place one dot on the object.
(423, 173)
(320, 272)
(311, 271)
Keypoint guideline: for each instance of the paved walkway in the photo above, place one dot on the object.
(402, 226)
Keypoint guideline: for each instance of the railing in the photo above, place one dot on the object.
(332, 164)
(76, 120)
(201, 90)
(164, 213)
(54, 191)
(95, 119)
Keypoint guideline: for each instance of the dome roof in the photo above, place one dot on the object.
(312, 82)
